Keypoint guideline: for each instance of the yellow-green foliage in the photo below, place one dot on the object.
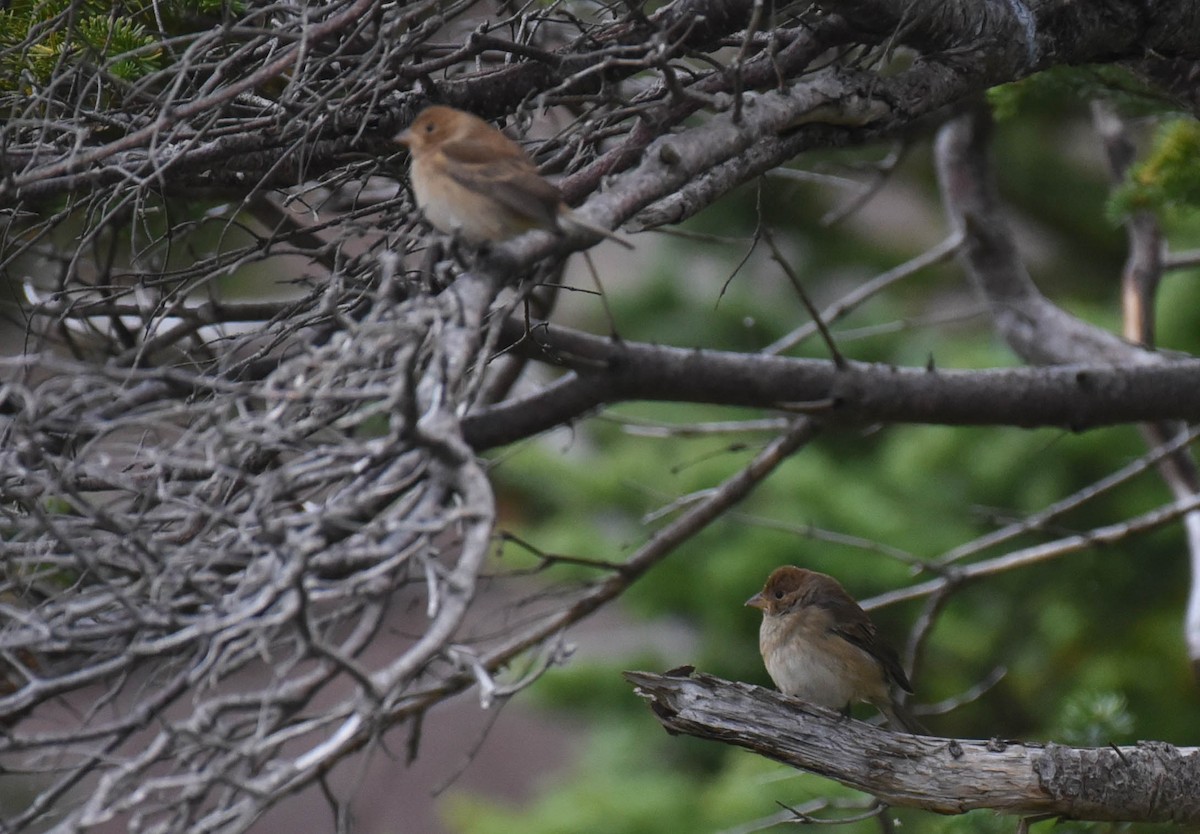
(1169, 176)
(39, 39)
(110, 42)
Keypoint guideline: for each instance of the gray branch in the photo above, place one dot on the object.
(1147, 782)
(606, 371)
(211, 513)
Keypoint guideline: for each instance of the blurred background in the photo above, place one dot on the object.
(1084, 649)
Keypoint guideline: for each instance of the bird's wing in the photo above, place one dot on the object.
(471, 151)
(854, 626)
(512, 181)
(524, 191)
(504, 173)
(865, 637)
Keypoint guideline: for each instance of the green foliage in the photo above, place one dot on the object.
(1179, 311)
(639, 785)
(1168, 178)
(592, 687)
(108, 44)
(37, 39)
(103, 37)
(1095, 719)
(1087, 641)
(1050, 89)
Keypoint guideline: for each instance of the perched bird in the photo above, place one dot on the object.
(472, 180)
(820, 646)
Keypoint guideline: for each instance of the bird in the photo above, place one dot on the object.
(819, 645)
(472, 181)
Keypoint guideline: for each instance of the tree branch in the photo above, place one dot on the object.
(605, 372)
(1147, 782)
(1041, 332)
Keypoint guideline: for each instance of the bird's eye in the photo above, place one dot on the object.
(779, 595)
(429, 127)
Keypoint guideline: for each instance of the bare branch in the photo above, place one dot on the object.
(1097, 537)
(1149, 782)
(1042, 333)
(239, 435)
(606, 372)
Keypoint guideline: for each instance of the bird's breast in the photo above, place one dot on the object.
(453, 208)
(807, 661)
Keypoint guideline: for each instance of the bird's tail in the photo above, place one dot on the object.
(899, 718)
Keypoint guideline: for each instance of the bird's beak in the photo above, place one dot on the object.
(404, 138)
(757, 601)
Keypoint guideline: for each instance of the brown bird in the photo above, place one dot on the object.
(473, 181)
(820, 646)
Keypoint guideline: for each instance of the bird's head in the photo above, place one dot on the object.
(434, 126)
(786, 586)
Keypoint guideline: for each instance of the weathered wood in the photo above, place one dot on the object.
(1146, 782)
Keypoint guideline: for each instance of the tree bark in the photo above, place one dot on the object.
(1147, 782)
